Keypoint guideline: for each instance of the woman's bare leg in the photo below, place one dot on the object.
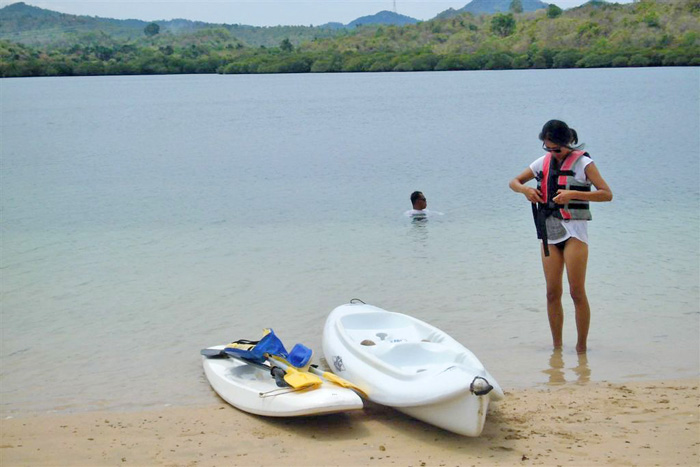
(553, 266)
(576, 260)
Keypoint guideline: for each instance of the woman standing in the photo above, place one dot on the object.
(564, 178)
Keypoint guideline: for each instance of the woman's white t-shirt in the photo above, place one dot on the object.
(573, 228)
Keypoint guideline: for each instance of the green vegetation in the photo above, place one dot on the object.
(516, 6)
(151, 30)
(503, 25)
(553, 11)
(645, 33)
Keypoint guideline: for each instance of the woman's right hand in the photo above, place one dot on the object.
(533, 195)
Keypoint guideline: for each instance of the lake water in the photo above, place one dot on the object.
(144, 218)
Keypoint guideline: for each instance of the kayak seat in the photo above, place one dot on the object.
(381, 326)
(373, 320)
(416, 357)
(383, 336)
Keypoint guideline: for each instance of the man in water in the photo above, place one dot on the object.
(420, 207)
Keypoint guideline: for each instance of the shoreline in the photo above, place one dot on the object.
(636, 423)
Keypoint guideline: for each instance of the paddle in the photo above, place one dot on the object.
(328, 376)
(286, 375)
(294, 376)
(276, 372)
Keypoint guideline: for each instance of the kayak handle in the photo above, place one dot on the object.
(480, 387)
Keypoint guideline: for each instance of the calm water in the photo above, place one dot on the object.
(144, 218)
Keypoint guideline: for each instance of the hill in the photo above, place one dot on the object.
(30, 25)
(383, 17)
(598, 34)
(24, 23)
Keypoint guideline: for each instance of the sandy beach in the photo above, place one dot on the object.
(637, 423)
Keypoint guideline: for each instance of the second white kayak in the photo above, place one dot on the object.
(407, 364)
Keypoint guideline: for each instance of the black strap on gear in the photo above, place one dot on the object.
(539, 214)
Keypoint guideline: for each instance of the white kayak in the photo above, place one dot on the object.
(253, 389)
(410, 365)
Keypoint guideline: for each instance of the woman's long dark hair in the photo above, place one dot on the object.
(559, 132)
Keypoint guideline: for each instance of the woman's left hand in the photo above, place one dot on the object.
(563, 196)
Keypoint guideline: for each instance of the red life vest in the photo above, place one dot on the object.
(553, 178)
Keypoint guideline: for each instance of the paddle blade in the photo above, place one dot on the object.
(301, 380)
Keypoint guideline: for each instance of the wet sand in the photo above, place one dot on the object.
(639, 423)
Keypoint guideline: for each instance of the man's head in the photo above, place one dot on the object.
(418, 200)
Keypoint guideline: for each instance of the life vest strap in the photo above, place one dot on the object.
(565, 173)
(577, 206)
(575, 187)
(539, 215)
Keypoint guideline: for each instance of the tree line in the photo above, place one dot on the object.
(645, 33)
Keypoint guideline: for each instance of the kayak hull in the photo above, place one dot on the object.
(464, 414)
(407, 364)
(253, 390)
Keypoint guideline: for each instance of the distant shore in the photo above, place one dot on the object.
(638, 423)
(36, 42)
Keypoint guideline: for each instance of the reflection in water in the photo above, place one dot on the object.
(419, 222)
(419, 230)
(556, 370)
(582, 370)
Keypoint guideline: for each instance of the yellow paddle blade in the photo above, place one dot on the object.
(333, 378)
(300, 380)
(296, 379)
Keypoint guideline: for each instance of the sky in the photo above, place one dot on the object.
(256, 12)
